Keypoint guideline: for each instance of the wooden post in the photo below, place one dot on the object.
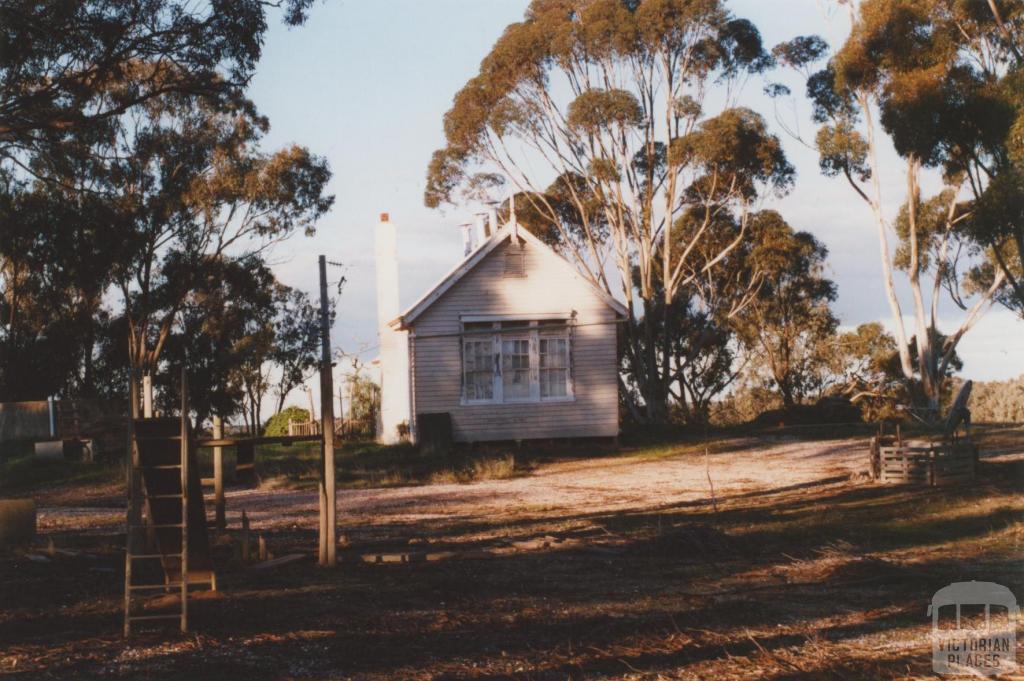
(147, 396)
(133, 517)
(184, 500)
(245, 462)
(328, 541)
(218, 475)
(245, 538)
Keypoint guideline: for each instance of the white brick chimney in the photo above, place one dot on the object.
(394, 345)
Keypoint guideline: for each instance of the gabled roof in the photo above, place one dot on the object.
(470, 262)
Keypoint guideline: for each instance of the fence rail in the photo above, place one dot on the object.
(343, 428)
(303, 427)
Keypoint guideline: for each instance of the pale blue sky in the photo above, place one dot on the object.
(366, 84)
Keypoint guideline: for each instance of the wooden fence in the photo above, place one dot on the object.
(923, 463)
(343, 428)
(303, 427)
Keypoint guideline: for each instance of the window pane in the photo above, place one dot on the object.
(553, 382)
(479, 371)
(554, 367)
(515, 368)
(554, 353)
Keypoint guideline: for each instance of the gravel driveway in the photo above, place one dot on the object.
(748, 467)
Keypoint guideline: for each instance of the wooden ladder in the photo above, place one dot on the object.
(145, 539)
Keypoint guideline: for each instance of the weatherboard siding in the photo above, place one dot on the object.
(550, 286)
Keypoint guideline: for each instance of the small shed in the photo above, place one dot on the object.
(512, 344)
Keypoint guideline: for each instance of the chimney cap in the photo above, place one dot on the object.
(385, 217)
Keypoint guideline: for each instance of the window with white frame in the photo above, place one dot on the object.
(554, 366)
(515, 367)
(507, 361)
(478, 369)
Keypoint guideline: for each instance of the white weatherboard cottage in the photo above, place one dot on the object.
(513, 344)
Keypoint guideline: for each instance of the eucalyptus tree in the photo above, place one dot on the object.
(705, 358)
(54, 270)
(196, 188)
(705, 355)
(279, 346)
(940, 78)
(137, 107)
(869, 364)
(788, 327)
(223, 330)
(66, 67)
(239, 332)
(296, 349)
(600, 115)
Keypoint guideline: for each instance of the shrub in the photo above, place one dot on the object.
(278, 423)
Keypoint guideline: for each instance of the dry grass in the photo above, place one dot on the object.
(488, 468)
(364, 465)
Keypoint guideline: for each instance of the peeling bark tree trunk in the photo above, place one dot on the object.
(932, 362)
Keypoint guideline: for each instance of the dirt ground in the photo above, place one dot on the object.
(769, 557)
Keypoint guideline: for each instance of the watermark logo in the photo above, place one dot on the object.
(974, 629)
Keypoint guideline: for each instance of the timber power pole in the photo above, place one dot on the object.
(328, 500)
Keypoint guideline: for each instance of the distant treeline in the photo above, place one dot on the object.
(997, 401)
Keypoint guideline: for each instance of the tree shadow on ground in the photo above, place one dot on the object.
(788, 581)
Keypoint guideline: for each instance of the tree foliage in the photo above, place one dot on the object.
(277, 424)
(997, 401)
(221, 336)
(609, 99)
(788, 326)
(54, 270)
(195, 188)
(69, 69)
(136, 200)
(939, 75)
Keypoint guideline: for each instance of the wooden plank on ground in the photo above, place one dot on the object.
(278, 562)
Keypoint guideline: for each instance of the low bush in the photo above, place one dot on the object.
(277, 424)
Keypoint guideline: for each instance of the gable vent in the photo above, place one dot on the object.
(515, 261)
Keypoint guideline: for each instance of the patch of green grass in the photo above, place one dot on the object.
(12, 449)
(653, 452)
(368, 464)
(24, 473)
